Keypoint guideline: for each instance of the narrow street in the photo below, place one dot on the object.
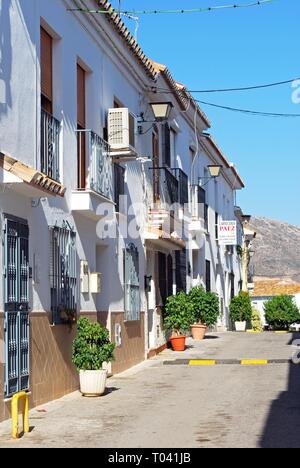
(168, 403)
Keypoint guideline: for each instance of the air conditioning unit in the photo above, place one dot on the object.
(122, 127)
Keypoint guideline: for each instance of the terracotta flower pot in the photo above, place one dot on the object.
(178, 343)
(198, 331)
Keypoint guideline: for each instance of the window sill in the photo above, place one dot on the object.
(9, 399)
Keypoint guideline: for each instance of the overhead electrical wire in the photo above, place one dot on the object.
(192, 10)
(247, 111)
(226, 90)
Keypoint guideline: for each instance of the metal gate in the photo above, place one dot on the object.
(16, 305)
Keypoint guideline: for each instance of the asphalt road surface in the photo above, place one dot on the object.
(159, 405)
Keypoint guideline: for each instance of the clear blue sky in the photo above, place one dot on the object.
(230, 49)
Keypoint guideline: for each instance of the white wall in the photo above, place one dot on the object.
(112, 72)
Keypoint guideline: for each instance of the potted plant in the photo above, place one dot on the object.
(256, 321)
(241, 311)
(91, 349)
(177, 319)
(205, 311)
(281, 312)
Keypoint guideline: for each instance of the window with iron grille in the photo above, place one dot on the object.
(132, 283)
(63, 278)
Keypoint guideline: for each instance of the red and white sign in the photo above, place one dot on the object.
(227, 233)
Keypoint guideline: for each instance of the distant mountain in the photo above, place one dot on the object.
(277, 249)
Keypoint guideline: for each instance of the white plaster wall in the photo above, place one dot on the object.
(107, 77)
(112, 72)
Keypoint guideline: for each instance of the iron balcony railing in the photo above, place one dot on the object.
(95, 168)
(171, 186)
(183, 186)
(50, 130)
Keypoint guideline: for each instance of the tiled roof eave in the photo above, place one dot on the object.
(131, 43)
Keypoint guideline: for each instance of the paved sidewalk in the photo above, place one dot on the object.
(154, 405)
(232, 345)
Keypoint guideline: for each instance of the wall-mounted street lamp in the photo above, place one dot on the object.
(161, 110)
(214, 171)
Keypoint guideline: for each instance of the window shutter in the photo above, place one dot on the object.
(166, 155)
(46, 65)
(81, 96)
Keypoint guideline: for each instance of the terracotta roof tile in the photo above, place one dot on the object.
(266, 288)
(123, 31)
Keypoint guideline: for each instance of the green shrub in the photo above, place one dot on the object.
(205, 306)
(178, 314)
(240, 308)
(256, 321)
(281, 312)
(91, 347)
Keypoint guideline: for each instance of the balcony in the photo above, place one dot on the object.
(27, 181)
(170, 193)
(50, 130)
(95, 174)
(170, 187)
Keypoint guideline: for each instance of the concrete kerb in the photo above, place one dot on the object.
(219, 362)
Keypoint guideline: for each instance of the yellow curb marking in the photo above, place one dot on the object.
(253, 331)
(253, 362)
(281, 332)
(202, 362)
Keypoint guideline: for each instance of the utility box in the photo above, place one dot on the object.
(84, 277)
(95, 283)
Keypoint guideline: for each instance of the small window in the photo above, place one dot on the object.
(132, 283)
(63, 278)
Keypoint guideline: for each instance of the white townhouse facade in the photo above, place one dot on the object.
(98, 203)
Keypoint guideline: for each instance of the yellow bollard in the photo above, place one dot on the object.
(15, 413)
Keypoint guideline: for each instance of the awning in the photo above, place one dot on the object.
(31, 176)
